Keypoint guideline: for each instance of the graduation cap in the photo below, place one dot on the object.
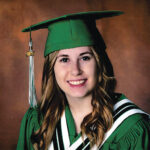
(69, 31)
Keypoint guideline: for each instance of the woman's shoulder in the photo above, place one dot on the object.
(32, 118)
(31, 112)
(136, 118)
(137, 123)
(134, 131)
(29, 124)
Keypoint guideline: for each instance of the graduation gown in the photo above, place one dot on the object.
(130, 130)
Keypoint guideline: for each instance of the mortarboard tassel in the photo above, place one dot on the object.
(32, 91)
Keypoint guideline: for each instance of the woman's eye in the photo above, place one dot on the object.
(64, 60)
(86, 58)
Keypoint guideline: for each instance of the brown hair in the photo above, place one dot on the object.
(93, 125)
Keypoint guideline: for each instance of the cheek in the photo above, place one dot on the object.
(94, 73)
(92, 69)
(59, 74)
(56, 72)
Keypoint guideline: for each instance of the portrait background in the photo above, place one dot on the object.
(128, 45)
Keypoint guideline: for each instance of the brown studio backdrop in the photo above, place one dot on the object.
(127, 38)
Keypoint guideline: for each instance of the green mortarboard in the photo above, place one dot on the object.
(72, 30)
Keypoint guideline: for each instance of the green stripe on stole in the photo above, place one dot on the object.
(73, 136)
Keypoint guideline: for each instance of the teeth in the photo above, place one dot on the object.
(76, 82)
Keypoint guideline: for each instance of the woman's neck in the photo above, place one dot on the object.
(79, 109)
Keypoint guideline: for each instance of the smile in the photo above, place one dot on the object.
(78, 82)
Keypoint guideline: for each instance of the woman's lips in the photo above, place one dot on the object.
(77, 83)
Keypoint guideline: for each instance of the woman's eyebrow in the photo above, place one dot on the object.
(86, 53)
(62, 55)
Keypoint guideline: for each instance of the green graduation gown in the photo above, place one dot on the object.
(131, 133)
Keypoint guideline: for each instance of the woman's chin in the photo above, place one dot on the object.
(78, 95)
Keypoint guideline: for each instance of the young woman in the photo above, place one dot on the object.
(79, 109)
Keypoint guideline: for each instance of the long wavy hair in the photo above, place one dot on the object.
(53, 102)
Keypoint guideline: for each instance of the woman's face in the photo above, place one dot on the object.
(75, 71)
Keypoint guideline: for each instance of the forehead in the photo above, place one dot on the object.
(74, 51)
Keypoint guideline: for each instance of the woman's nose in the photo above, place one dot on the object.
(76, 69)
